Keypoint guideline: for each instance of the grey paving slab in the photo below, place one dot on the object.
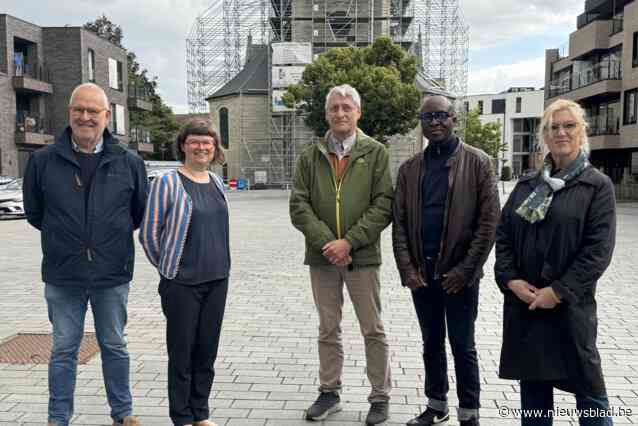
(266, 373)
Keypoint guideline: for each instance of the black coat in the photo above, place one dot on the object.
(569, 250)
(85, 247)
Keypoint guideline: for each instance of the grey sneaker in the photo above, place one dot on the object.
(379, 412)
(326, 404)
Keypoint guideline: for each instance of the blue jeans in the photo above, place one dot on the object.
(67, 308)
(539, 396)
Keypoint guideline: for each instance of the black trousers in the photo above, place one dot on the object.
(433, 306)
(194, 317)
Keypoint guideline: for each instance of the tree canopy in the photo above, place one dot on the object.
(160, 122)
(383, 74)
(485, 136)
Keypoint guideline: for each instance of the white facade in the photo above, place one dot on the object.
(523, 108)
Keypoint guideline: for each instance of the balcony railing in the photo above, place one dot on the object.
(139, 91)
(29, 122)
(140, 135)
(38, 72)
(616, 26)
(604, 125)
(599, 72)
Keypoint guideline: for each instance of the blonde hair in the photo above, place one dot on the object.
(546, 123)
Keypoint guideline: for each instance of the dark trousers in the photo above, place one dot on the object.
(433, 306)
(194, 317)
(538, 399)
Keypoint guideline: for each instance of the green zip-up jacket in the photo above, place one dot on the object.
(357, 208)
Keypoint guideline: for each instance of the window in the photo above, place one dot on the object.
(630, 106)
(634, 55)
(519, 104)
(118, 120)
(480, 107)
(223, 127)
(466, 106)
(498, 106)
(91, 64)
(115, 74)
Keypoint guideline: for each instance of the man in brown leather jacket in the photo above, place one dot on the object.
(445, 213)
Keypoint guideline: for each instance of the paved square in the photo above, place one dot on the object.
(266, 373)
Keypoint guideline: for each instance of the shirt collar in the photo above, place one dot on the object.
(98, 148)
(347, 143)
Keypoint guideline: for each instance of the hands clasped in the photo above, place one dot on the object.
(543, 298)
(338, 252)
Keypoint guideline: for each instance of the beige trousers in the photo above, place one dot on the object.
(364, 288)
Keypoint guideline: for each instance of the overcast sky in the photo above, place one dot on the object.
(508, 38)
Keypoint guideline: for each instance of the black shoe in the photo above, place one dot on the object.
(378, 413)
(326, 404)
(472, 422)
(430, 417)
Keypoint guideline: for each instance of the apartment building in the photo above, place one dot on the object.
(39, 67)
(518, 110)
(599, 70)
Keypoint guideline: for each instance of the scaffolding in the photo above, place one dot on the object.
(432, 30)
(444, 43)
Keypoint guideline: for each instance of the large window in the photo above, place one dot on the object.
(498, 106)
(480, 107)
(115, 74)
(118, 119)
(91, 64)
(223, 127)
(634, 55)
(630, 106)
(519, 104)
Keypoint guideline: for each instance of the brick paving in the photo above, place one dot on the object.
(267, 367)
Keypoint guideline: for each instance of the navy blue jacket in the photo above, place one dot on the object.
(85, 246)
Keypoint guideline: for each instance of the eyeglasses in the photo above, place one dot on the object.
(439, 116)
(568, 127)
(91, 112)
(201, 144)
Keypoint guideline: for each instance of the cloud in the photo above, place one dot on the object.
(500, 77)
(496, 22)
(156, 30)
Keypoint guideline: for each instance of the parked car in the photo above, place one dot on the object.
(6, 179)
(11, 206)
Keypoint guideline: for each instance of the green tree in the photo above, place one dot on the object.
(483, 136)
(160, 121)
(106, 29)
(383, 74)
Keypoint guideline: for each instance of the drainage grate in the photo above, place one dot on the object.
(36, 349)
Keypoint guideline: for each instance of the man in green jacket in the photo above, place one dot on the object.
(341, 201)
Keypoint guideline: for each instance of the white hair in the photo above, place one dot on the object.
(91, 86)
(345, 91)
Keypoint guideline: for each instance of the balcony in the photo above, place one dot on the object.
(141, 140)
(32, 79)
(32, 129)
(600, 125)
(139, 98)
(598, 79)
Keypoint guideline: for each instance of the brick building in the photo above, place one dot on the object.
(39, 67)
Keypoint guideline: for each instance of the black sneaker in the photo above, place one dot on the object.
(378, 413)
(430, 417)
(326, 404)
(472, 422)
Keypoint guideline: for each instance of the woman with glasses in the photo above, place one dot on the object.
(185, 235)
(554, 241)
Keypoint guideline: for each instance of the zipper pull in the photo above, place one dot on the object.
(89, 255)
(78, 182)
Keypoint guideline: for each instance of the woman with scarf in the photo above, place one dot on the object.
(554, 241)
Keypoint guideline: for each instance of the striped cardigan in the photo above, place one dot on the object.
(166, 221)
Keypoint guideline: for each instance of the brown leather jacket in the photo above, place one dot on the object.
(469, 225)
